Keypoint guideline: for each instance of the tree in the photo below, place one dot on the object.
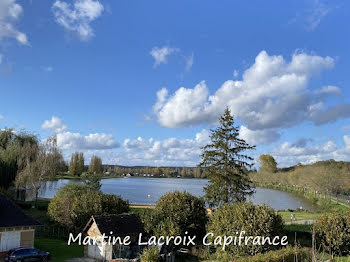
(74, 204)
(76, 165)
(333, 233)
(180, 212)
(259, 220)
(92, 181)
(95, 166)
(11, 144)
(268, 163)
(150, 254)
(37, 164)
(225, 165)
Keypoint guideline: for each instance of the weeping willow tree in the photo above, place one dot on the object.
(38, 163)
(11, 144)
(226, 165)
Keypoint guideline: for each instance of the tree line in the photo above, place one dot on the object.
(328, 177)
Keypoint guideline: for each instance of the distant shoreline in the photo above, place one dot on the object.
(115, 176)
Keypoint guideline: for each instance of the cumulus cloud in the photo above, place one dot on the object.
(78, 17)
(161, 54)
(171, 151)
(76, 141)
(307, 151)
(55, 125)
(272, 94)
(10, 12)
(258, 137)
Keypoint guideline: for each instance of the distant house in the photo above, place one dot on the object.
(113, 226)
(16, 228)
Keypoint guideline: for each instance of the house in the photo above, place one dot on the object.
(16, 228)
(113, 226)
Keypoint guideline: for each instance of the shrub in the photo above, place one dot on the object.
(259, 220)
(182, 211)
(333, 233)
(288, 254)
(73, 205)
(150, 254)
(112, 204)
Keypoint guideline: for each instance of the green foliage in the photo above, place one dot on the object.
(74, 204)
(288, 254)
(38, 163)
(150, 254)
(92, 180)
(226, 165)
(333, 233)
(255, 220)
(268, 163)
(113, 204)
(325, 177)
(95, 166)
(76, 165)
(178, 212)
(10, 148)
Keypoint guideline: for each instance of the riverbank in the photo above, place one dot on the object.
(324, 203)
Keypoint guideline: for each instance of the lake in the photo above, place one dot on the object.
(149, 190)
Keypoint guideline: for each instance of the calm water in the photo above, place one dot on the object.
(149, 190)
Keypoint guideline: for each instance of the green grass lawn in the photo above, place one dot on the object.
(299, 215)
(59, 249)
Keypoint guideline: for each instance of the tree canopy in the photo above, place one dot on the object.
(95, 166)
(76, 165)
(74, 204)
(268, 163)
(225, 164)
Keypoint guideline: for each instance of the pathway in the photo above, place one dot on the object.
(301, 222)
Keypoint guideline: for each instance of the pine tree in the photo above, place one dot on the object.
(225, 164)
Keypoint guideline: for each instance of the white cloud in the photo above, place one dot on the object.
(76, 141)
(306, 151)
(161, 99)
(10, 13)
(171, 151)
(272, 94)
(189, 62)
(161, 54)
(258, 136)
(77, 17)
(2, 117)
(1, 57)
(55, 125)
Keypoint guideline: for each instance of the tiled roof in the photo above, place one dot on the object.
(124, 224)
(12, 215)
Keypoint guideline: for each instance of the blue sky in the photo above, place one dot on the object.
(142, 82)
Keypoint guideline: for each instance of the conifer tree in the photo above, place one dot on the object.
(226, 165)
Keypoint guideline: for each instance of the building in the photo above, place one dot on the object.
(16, 228)
(113, 226)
